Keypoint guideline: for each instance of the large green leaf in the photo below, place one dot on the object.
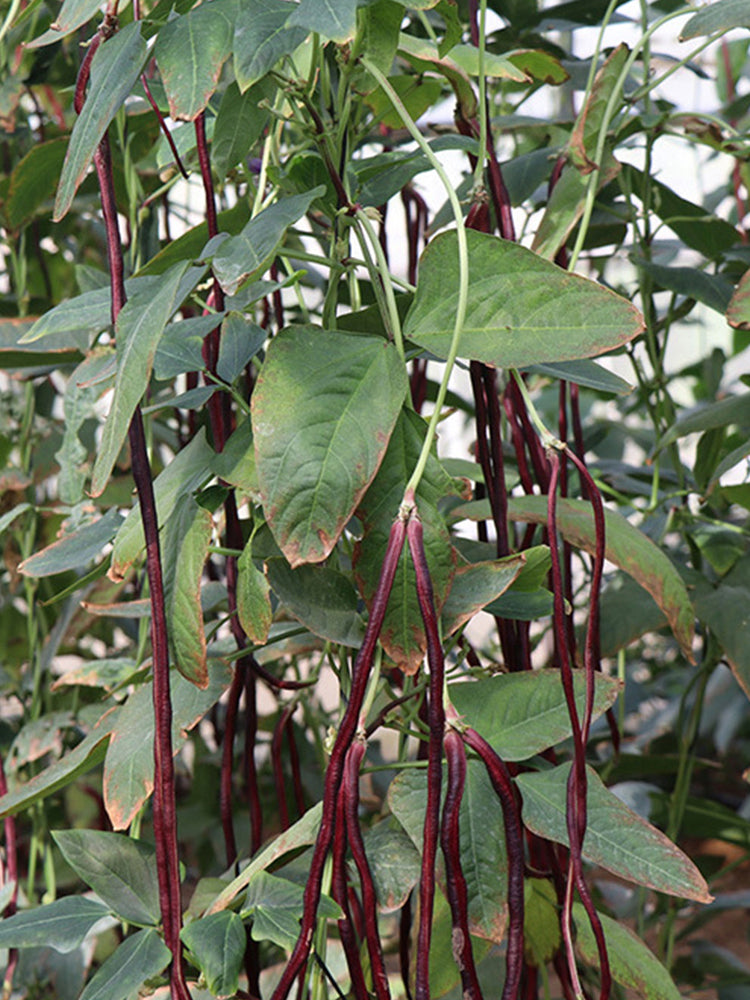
(483, 853)
(402, 635)
(73, 14)
(185, 542)
(708, 416)
(726, 611)
(190, 51)
(631, 961)
(253, 599)
(114, 69)
(261, 38)
(332, 19)
(523, 714)
(129, 764)
(321, 598)
(320, 439)
(523, 310)
(139, 326)
(120, 870)
(616, 837)
(190, 468)
(218, 945)
(723, 15)
(61, 925)
(75, 550)
(248, 254)
(137, 959)
(626, 547)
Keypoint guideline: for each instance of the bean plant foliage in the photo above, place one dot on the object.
(306, 692)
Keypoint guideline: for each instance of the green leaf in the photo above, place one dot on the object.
(394, 862)
(380, 24)
(61, 925)
(188, 470)
(713, 290)
(239, 124)
(261, 38)
(185, 541)
(120, 870)
(725, 611)
(616, 838)
(236, 464)
(626, 547)
(476, 585)
(76, 550)
(541, 922)
(300, 834)
(33, 181)
(738, 310)
(81, 394)
(631, 961)
(723, 15)
(248, 254)
(190, 51)
(732, 410)
(180, 348)
(484, 859)
(319, 441)
(335, 20)
(586, 373)
(523, 310)
(275, 905)
(218, 945)
(626, 614)
(402, 634)
(73, 14)
(129, 764)
(241, 339)
(321, 598)
(495, 65)
(139, 327)
(82, 758)
(523, 714)
(137, 959)
(114, 69)
(192, 243)
(693, 224)
(253, 599)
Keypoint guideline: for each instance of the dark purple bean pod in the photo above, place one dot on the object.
(84, 72)
(350, 789)
(277, 764)
(334, 773)
(456, 883)
(340, 894)
(436, 715)
(501, 782)
(227, 759)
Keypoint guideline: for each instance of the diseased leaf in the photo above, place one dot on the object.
(115, 67)
(394, 862)
(523, 714)
(190, 51)
(137, 959)
(319, 441)
(33, 181)
(475, 586)
(76, 550)
(73, 14)
(585, 134)
(120, 870)
(61, 925)
(129, 764)
(523, 310)
(616, 837)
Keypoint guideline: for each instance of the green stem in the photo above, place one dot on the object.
(481, 51)
(391, 317)
(463, 270)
